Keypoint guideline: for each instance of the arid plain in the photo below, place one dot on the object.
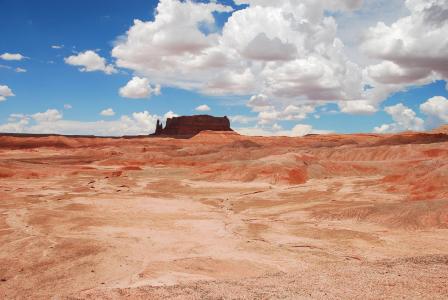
(224, 216)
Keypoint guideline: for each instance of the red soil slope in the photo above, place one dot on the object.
(224, 216)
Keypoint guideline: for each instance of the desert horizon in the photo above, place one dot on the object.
(438, 130)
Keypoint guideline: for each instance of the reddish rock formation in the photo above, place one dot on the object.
(188, 126)
(159, 128)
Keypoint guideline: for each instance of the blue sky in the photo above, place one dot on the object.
(47, 33)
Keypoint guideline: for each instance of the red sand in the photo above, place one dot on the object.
(224, 216)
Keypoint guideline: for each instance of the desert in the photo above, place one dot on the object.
(223, 149)
(224, 216)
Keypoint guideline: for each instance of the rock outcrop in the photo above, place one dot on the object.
(188, 126)
(159, 128)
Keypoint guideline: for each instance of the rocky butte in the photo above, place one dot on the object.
(188, 126)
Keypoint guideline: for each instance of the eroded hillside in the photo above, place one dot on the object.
(224, 215)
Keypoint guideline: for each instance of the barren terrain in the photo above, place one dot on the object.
(224, 216)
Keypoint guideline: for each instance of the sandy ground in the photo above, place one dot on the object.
(222, 216)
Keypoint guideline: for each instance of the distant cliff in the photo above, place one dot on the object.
(188, 126)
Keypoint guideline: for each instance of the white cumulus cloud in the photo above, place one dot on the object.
(90, 61)
(358, 107)
(286, 50)
(411, 51)
(286, 56)
(269, 112)
(109, 112)
(12, 56)
(242, 119)
(139, 88)
(203, 107)
(404, 119)
(49, 116)
(5, 92)
(436, 109)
